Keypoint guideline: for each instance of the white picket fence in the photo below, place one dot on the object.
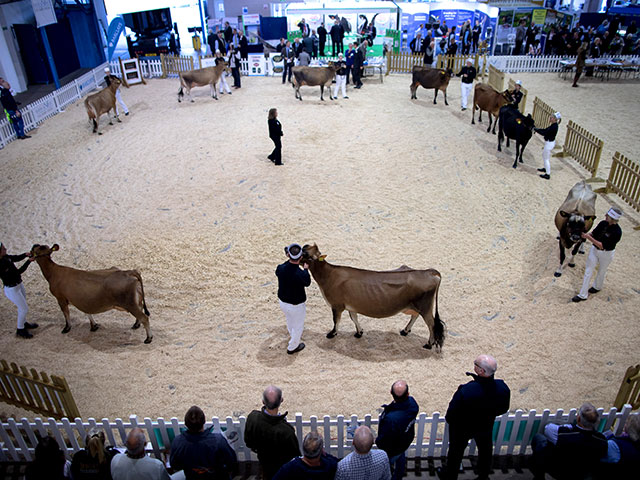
(543, 64)
(512, 432)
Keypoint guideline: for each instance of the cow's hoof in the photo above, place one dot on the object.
(557, 274)
(357, 334)
(94, 327)
(331, 334)
(515, 165)
(521, 161)
(572, 265)
(135, 326)
(148, 339)
(581, 253)
(99, 133)
(427, 346)
(66, 329)
(404, 333)
(193, 101)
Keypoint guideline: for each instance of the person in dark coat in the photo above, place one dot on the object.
(268, 433)
(475, 34)
(358, 61)
(49, 462)
(304, 29)
(289, 57)
(243, 45)
(472, 413)
(275, 134)
(315, 464)
(580, 61)
(396, 428)
(11, 277)
(228, 33)
(623, 451)
(322, 38)
(11, 107)
(94, 461)
(337, 34)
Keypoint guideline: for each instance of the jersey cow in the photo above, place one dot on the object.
(514, 125)
(93, 291)
(312, 77)
(378, 294)
(487, 98)
(575, 217)
(199, 78)
(101, 103)
(435, 78)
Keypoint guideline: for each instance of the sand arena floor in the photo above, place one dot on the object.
(185, 194)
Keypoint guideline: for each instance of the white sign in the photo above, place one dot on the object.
(44, 12)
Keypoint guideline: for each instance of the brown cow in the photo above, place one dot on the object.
(490, 100)
(200, 78)
(314, 76)
(378, 294)
(103, 102)
(93, 291)
(431, 78)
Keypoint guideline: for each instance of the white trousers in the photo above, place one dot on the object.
(295, 322)
(465, 90)
(121, 102)
(223, 83)
(18, 295)
(596, 258)
(546, 155)
(341, 82)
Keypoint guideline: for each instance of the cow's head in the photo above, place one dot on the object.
(311, 252)
(115, 83)
(528, 122)
(42, 250)
(449, 73)
(576, 224)
(507, 96)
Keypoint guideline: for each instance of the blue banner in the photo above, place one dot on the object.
(115, 29)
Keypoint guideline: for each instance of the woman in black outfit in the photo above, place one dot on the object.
(275, 132)
(14, 289)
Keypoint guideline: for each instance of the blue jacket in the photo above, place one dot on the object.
(397, 429)
(350, 55)
(203, 455)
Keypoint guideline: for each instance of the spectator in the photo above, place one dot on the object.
(416, 44)
(234, 64)
(11, 107)
(428, 53)
(569, 451)
(93, 461)
(451, 36)
(243, 45)
(397, 427)
(135, 464)
(307, 44)
(268, 433)
(453, 46)
(322, 38)
(350, 57)
(633, 28)
(201, 453)
(549, 135)
(341, 77)
(517, 93)
(604, 238)
(49, 462)
(468, 75)
(108, 78)
(580, 61)
(472, 413)
(358, 63)
(304, 59)
(228, 34)
(521, 31)
(314, 37)
(14, 288)
(235, 39)
(291, 295)
(477, 30)
(304, 28)
(223, 81)
(315, 464)
(616, 45)
(281, 46)
(363, 462)
(440, 50)
(337, 34)
(297, 47)
(219, 44)
(623, 452)
(275, 134)
(211, 40)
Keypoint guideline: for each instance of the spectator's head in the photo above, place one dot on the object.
(632, 427)
(485, 365)
(226, 24)
(136, 442)
(297, 39)
(282, 40)
(49, 455)
(312, 445)
(597, 41)
(288, 43)
(351, 46)
(194, 419)
(273, 113)
(588, 416)
(418, 35)
(400, 391)
(363, 439)
(272, 397)
(94, 443)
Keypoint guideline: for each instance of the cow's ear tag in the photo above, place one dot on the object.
(441, 73)
(321, 258)
(55, 248)
(518, 121)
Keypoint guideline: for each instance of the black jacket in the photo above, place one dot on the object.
(291, 283)
(322, 33)
(548, 133)
(475, 405)
(337, 33)
(397, 429)
(275, 128)
(470, 72)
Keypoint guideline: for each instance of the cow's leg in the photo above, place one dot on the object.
(495, 122)
(337, 313)
(354, 318)
(407, 330)
(581, 249)
(573, 254)
(322, 92)
(64, 306)
(521, 147)
(435, 96)
(180, 94)
(116, 112)
(95, 125)
(515, 162)
(562, 257)
(413, 88)
(94, 325)
(445, 97)
(480, 116)
(473, 111)
(500, 137)
(215, 91)
(144, 319)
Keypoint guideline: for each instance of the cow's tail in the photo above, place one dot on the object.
(438, 325)
(144, 304)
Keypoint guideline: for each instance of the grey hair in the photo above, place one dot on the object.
(632, 427)
(136, 441)
(272, 397)
(589, 416)
(312, 445)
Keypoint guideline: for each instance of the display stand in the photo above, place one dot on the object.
(131, 74)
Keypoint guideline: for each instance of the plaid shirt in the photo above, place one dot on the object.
(370, 466)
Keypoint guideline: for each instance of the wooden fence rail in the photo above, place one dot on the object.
(525, 92)
(541, 113)
(36, 392)
(403, 62)
(512, 433)
(629, 392)
(624, 181)
(584, 147)
(173, 65)
(496, 78)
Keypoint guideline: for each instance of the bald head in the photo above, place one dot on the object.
(485, 365)
(400, 390)
(272, 397)
(363, 439)
(136, 441)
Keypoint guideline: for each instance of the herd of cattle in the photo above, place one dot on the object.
(371, 293)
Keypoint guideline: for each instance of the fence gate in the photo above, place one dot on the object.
(584, 147)
(172, 65)
(496, 78)
(630, 388)
(624, 181)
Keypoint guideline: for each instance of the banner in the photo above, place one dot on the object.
(538, 16)
(44, 12)
(116, 27)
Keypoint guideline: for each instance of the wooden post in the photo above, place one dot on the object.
(163, 60)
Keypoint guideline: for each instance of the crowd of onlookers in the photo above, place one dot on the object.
(576, 450)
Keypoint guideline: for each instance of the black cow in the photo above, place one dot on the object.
(431, 78)
(514, 125)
